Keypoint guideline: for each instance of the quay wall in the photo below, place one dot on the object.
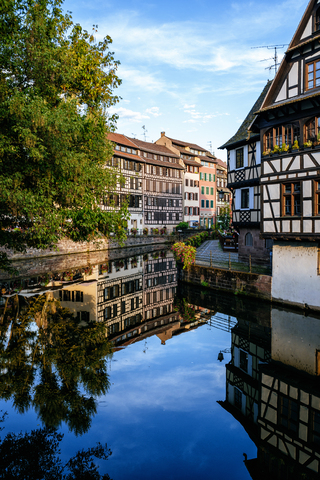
(238, 283)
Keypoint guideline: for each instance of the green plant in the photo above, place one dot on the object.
(295, 145)
(145, 231)
(284, 148)
(276, 149)
(182, 226)
(185, 254)
(205, 284)
(267, 152)
(307, 144)
(156, 231)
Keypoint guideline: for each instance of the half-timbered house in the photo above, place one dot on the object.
(163, 176)
(244, 170)
(129, 163)
(289, 123)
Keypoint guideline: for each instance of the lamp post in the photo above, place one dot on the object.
(220, 354)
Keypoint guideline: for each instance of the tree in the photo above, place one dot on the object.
(224, 218)
(56, 84)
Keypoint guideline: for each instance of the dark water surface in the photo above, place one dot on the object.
(158, 396)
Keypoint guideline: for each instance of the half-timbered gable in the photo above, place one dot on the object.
(163, 176)
(244, 170)
(290, 171)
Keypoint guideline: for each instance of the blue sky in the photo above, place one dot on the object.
(188, 68)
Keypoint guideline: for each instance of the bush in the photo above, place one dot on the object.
(185, 254)
(182, 226)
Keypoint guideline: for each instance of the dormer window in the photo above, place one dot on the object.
(313, 75)
(317, 20)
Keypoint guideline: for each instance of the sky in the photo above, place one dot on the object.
(190, 69)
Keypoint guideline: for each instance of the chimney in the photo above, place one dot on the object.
(163, 134)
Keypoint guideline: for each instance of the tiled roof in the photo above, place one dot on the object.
(153, 147)
(130, 156)
(242, 133)
(207, 159)
(221, 163)
(290, 101)
(161, 163)
(121, 139)
(187, 144)
(185, 152)
(189, 161)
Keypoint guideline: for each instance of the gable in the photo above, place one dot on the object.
(299, 75)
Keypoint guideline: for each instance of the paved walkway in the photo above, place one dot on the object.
(217, 254)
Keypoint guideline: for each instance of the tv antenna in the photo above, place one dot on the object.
(134, 135)
(275, 57)
(210, 147)
(145, 131)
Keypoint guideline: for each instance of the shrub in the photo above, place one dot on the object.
(185, 254)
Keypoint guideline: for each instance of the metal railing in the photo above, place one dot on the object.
(229, 263)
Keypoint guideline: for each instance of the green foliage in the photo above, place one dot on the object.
(182, 226)
(224, 218)
(186, 310)
(56, 85)
(59, 368)
(35, 455)
(198, 239)
(185, 254)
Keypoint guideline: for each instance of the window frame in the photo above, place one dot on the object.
(315, 79)
(243, 190)
(292, 195)
(239, 157)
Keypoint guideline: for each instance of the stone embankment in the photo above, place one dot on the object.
(239, 283)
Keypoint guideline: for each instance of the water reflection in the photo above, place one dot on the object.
(272, 389)
(58, 332)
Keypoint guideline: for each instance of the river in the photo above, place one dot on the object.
(120, 352)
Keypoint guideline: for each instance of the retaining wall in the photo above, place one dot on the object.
(239, 283)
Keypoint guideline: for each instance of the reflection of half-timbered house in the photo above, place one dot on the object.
(289, 125)
(289, 446)
(244, 170)
(120, 295)
(160, 285)
(251, 343)
(127, 160)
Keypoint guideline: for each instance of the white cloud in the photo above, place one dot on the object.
(154, 111)
(127, 114)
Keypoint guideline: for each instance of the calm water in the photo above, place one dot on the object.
(153, 396)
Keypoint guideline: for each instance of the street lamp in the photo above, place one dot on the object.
(221, 194)
(220, 354)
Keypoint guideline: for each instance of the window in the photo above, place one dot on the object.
(245, 198)
(187, 182)
(205, 177)
(313, 75)
(317, 20)
(317, 197)
(237, 398)
(211, 203)
(285, 134)
(201, 175)
(312, 129)
(248, 240)
(239, 158)
(202, 203)
(207, 203)
(210, 177)
(202, 190)
(291, 199)
(243, 360)
(288, 413)
(211, 191)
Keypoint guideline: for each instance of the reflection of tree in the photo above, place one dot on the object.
(35, 455)
(186, 310)
(58, 368)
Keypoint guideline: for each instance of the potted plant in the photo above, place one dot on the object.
(276, 149)
(267, 152)
(134, 262)
(145, 257)
(295, 145)
(156, 231)
(145, 231)
(307, 144)
(284, 148)
(134, 231)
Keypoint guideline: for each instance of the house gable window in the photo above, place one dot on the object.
(313, 75)
(291, 199)
(239, 158)
(245, 198)
(312, 129)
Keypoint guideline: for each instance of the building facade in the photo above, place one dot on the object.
(244, 171)
(289, 126)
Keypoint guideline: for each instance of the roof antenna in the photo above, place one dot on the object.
(275, 58)
(145, 131)
(134, 135)
(210, 147)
